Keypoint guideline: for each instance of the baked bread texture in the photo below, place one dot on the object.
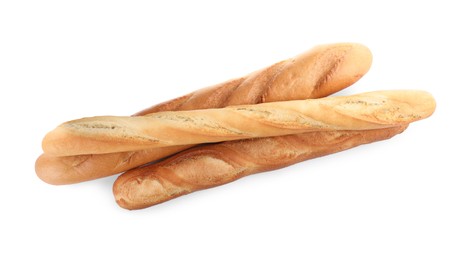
(108, 134)
(217, 164)
(316, 73)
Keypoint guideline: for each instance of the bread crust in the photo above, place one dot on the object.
(372, 110)
(326, 69)
(217, 164)
(60, 170)
(317, 73)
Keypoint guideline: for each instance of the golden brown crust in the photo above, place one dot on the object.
(73, 169)
(317, 73)
(372, 110)
(354, 61)
(217, 164)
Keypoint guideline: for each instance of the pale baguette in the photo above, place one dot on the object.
(372, 110)
(316, 73)
(213, 165)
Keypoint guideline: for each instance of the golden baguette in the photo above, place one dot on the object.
(60, 170)
(319, 72)
(316, 73)
(213, 165)
(107, 134)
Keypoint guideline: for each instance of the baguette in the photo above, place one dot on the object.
(60, 170)
(319, 72)
(105, 134)
(213, 165)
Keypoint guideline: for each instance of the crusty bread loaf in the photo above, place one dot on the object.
(316, 73)
(107, 134)
(59, 170)
(213, 165)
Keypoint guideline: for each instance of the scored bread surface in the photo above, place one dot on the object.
(372, 110)
(217, 164)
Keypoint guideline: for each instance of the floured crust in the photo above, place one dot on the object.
(372, 110)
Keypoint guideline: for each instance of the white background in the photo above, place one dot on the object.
(61, 60)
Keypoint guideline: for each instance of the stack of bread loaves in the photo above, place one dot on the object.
(266, 120)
